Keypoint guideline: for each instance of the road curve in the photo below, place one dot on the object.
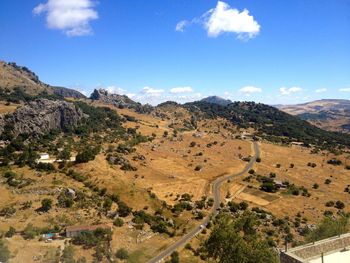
(214, 211)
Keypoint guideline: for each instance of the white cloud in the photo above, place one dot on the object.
(344, 90)
(72, 17)
(321, 90)
(151, 92)
(289, 91)
(250, 90)
(224, 19)
(180, 27)
(116, 90)
(178, 90)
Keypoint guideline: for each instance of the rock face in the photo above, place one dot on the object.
(120, 101)
(68, 93)
(115, 99)
(40, 116)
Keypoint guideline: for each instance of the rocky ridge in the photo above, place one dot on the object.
(40, 116)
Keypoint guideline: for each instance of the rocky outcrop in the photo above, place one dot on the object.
(68, 93)
(40, 116)
(120, 101)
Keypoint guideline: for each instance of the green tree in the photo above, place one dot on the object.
(329, 227)
(232, 242)
(122, 254)
(46, 204)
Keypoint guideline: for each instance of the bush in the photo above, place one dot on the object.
(330, 204)
(123, 209)
(8, 211)
(334, 161)
(118, 222)
(327, 181)
(30, 232)
(315, 186)
(46, 204)
(10, 232)
(4, 252)
(339, 205)
(122, 254)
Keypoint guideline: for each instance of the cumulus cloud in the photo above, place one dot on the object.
(224, 19)
(289, 91)
(344, 90)
(72, 17)
(321, 90)
(151, 92)
(250, 90)
(116, 90)
(179, 90)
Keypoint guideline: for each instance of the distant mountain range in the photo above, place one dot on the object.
(328, 114)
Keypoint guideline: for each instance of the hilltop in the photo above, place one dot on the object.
(14, 77)
(328, 114)
(217, 100)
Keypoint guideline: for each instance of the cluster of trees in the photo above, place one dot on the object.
(329, 227)
(237, 241)
(156, 222)
(18, 95)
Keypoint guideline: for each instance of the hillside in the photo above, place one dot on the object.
(331, 115)
(151, 175)
(271, 123)
(14, 77)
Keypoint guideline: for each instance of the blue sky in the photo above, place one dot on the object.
(269, 51)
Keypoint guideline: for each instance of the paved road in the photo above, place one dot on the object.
(214, 211)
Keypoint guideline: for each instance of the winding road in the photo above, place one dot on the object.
(214, 211)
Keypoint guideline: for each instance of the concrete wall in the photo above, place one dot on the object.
(303, 253)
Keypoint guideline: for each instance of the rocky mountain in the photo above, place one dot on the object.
(68, 93)
(40, 116)
(120, 101)
(216, 100)
(328, 114)
(13, 76)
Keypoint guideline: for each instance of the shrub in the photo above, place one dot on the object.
(8, 211)
(339, 205)
(10, 232)
(315, 186)
(46, 204)
(30, 232)
(334, 161)
(123, 209)
(330, 204)
(327, 181)
(4, 252)
(122, 254)
(118, 222)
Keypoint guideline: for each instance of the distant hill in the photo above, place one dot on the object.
(216, 100)
(14, 77)
(270, 123)
(328, 114)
